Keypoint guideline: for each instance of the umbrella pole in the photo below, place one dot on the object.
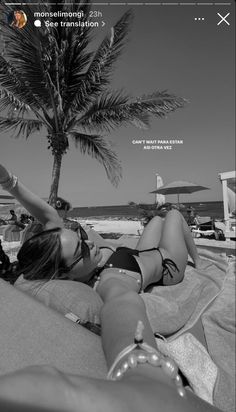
(178, 198)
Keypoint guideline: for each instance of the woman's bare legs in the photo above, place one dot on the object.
(174, 237)
(175, 240)
(150, 262)
(151, 235)
(178, 242)
(191, 247)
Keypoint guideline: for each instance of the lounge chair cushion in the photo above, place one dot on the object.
(33, 334)
(65, 296)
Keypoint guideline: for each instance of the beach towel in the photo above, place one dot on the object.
(194, 362)
(175, 309)
(219, 326)
(209, 295)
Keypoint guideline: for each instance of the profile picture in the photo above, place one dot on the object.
(17, 19)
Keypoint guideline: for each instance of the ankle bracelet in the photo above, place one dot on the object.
(141, 352)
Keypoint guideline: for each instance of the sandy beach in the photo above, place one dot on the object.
(123, 226)
(128, 229)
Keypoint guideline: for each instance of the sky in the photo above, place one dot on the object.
(167, 50)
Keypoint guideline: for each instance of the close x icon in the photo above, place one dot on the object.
(223, 19)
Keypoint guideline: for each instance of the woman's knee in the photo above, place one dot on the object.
(174, 216)
(173, 235)
(156, 221)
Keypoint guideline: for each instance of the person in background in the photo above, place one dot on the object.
(13, 218)
(4, 261)
(24, 219)
(190, 216)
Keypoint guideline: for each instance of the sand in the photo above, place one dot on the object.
(123, 227)
(127, 228)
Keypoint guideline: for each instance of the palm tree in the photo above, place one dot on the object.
(50, 79)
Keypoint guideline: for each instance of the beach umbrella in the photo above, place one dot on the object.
(179, 187)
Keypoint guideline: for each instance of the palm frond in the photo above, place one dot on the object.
(110, 111)
(11, 80)
(9, 103)
(73, 43)
(98, 75)
(26, 51)
(99, 148)
(25, 127)
(158, 103)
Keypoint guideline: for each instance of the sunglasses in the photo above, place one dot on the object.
(82, 245)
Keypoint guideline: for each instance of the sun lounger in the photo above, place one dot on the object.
(12, 233)
(2, 228)
(228, 180)
(205, 227)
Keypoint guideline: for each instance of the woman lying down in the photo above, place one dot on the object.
(140, 377)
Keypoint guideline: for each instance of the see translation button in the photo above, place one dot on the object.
(223, 19)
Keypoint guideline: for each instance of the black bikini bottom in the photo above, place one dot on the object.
(123, 258)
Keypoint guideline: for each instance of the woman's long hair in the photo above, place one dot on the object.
(39, 258)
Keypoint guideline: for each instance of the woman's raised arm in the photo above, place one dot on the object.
(36, 206)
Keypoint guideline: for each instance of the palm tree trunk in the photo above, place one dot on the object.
(56, 170)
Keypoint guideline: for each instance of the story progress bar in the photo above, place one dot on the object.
(123, 4)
